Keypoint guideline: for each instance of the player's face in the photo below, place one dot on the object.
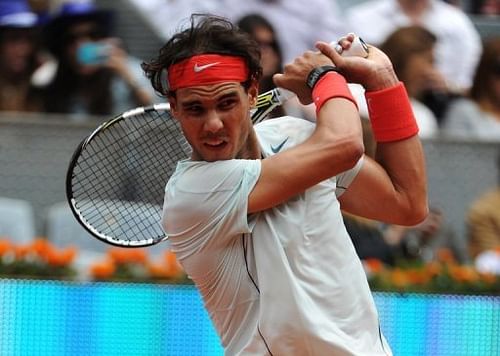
(216, 121)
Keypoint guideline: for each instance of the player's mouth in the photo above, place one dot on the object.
(215, 143)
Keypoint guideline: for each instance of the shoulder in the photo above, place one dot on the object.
(463, 107)
(206, 177)
(452, 14)
(443, 7)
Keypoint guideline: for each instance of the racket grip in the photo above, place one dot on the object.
(358, 48)
(284, 95)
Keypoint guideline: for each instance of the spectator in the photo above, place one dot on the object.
(478, 115)
(395, 243)
(95, 75)
(374, 20)
(486, 7)
(483, 219)
(19, 57)
(263, 32)
(423, 241)
(368, 239)
(411, 51)
(296, 22)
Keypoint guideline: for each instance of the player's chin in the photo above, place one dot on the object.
(221, 151)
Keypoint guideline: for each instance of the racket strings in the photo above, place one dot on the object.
(118, 183)
(117, 178)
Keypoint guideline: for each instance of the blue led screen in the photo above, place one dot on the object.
(64, 318)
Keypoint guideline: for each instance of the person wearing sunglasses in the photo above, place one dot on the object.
(95, 75)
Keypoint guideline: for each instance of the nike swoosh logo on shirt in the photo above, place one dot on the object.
(197, 68)
(278, 148)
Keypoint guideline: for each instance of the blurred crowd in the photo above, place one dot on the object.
(66, 57)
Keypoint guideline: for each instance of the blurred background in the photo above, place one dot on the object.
(67, 66)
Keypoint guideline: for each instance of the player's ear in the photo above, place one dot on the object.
(253, 92)
(173, 106)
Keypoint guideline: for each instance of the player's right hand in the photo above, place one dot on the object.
(375, 72)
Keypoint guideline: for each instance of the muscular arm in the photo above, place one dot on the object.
(335, 145)
(392, 188)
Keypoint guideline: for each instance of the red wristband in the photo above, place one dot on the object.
(391, 114)
(331, 85)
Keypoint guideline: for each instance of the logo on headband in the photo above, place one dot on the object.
(197, 68)
(205, 69)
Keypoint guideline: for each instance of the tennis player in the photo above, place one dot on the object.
(255, 215)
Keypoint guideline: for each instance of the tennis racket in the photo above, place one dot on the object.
(116, 177)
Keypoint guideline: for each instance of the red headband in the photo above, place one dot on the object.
(206, 69)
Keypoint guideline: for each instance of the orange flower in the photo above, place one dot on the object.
(138, 255)
(433, 269)
(399, 278)
(41, 247)
(121, 255)
(21, 251)
(374, 265)
(5, 246)
(488, 278)
(103, 269)
(158, 270)
(418, 276)
(445, 255)
(61, 258)
(173, 266)
(464, 274)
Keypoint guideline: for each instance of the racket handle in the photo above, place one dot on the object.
(358, 48)
(284, 95)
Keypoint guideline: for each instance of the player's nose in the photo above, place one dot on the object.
(213, 122)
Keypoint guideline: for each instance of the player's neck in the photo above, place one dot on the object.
(251, 148)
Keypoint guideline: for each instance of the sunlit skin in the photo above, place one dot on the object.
(215, 119)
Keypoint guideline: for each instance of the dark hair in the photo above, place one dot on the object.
(487, 68)
(404, 42)
(250, 23)
(207, 34)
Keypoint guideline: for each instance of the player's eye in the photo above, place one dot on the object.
(194, 110)
(227, 104)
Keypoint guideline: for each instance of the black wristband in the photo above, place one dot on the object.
(316, 74)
